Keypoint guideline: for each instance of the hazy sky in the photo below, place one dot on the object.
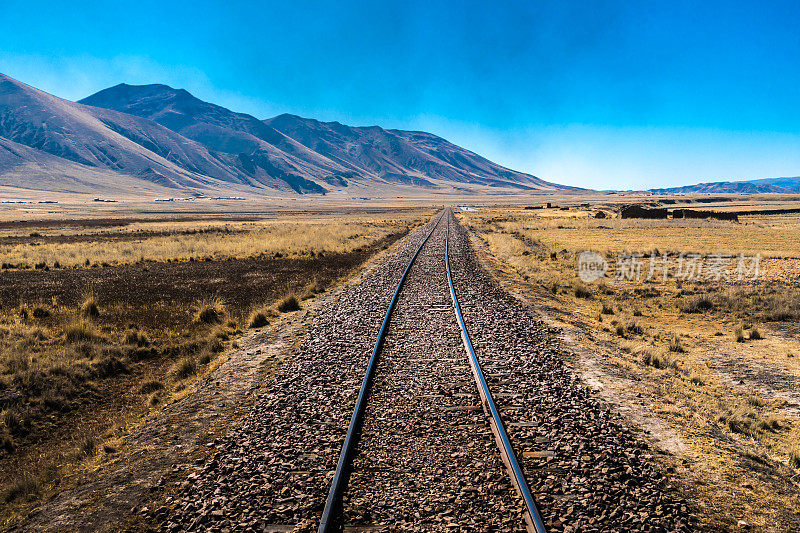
(628, 94)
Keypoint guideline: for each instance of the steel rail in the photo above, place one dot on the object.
(341, 475)
(533, 519)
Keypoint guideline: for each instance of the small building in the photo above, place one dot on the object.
(637, 211)
(701, 214)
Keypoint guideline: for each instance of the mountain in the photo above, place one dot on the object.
(153, 139)
(790, 184)
(409, 157)
(328, 154)
(40, 129)
(247, 145)
(758, 186)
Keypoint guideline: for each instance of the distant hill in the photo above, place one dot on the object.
(153, 139)
(58, 137)
(397, 156)
(759, 186)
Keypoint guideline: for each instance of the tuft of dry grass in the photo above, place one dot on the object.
(756, 335)
(149, 387)
(184, 368)
(40, 312)
(81, 332)
(794, 457)
(258, 319)
(676, 346)
(697, 304)
(137, 338)
(89, 307)
(210, 311)
(88, 446)
(288, 304)
(23, 487)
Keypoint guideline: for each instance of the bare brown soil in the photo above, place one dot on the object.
(159, 298)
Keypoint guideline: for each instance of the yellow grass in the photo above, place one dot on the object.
(298, 235)
(667, 343)
(769, 236)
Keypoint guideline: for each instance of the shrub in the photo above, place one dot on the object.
(149, 387)
(620, 330)
(25, 486)
(697, 305)
(109, 366)
(204, 359)
(80, 332)
(739, 334)
(607, 309)
(794, 457)
(580, 292)
(89, 308)
(676, 346)
(88, 446)
(755, 335)
(210, 312)
(288, 304)
(258, 319)
(137, 338)
(40, 312)
(186, 367)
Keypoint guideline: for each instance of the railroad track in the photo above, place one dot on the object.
(332, 514)
(423, 454)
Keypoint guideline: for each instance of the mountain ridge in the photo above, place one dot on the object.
(329, 154)
(755, 186)
(158, 139)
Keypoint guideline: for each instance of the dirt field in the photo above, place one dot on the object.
(707, 367)
(87, 351)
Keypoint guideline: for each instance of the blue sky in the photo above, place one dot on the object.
(595, 94)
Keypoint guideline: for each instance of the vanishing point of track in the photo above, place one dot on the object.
(330, 520)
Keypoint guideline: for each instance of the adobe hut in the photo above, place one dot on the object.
(637, 211)
(697, 213)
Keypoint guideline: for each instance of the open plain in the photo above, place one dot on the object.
(196, 369)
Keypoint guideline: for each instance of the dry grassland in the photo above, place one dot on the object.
(185, 240)
(102, 324)
(710, 368)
